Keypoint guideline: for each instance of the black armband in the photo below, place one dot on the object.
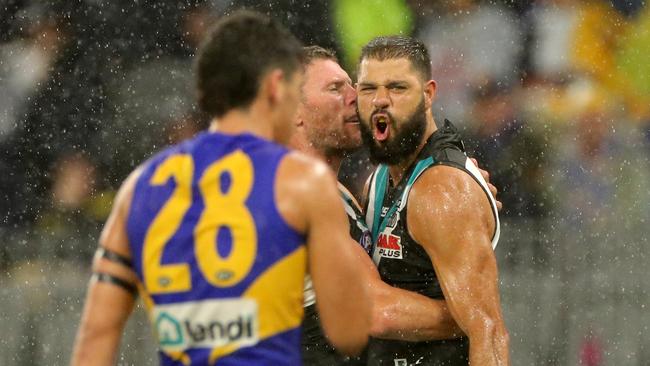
(113, 257)
(107, 278)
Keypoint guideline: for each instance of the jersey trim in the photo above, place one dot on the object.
(397, 206)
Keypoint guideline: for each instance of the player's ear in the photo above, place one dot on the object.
(275, 86)
(299, 118)
(430, 88)
(298, 121)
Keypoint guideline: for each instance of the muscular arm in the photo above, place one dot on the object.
(405, 315)
(107, 306)
(343, 303)
(449, 215)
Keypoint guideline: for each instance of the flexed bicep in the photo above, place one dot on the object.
(450, 217)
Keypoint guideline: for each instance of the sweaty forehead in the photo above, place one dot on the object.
(322, 72)
(372, 70)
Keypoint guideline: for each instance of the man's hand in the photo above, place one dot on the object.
(493, 189)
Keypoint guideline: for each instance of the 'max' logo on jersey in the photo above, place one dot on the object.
(206, 324)
(389, 246)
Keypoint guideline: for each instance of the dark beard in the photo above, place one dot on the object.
(403, 144)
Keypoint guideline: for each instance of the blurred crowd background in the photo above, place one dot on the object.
(553, 97)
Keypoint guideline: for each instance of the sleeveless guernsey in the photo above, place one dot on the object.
(221, 271)
(401, 261)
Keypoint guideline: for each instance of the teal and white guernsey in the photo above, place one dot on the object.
(401, 261)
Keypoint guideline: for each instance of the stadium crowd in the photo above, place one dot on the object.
(553, 97)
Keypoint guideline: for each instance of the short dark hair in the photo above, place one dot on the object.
(236, 54)
(393, 47)
(312, 53)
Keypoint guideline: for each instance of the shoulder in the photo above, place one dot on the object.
(113, 235)
(125, 193)
(443, 179)
(302, 171)
(449, 198)
(303, 184)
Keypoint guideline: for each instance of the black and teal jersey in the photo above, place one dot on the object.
(401, 261)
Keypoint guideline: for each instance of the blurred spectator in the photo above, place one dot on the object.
(591, 352)
(68, 227)
(143, 102)
(25, 64)
(469, 43)
(633, 61)
(358, 21)
(611, 49)
(309, 20)
(600, 178)
(27, 67)
(185, 127)
(150, 86)
(511, 150)
(9, 11)
(595, 158)
(628, 8)
(553, 23)
(195, 21)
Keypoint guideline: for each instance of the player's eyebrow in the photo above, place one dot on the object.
(340, 81)
(388, 83)
(337, 83)
(366, 83)
(394, 83)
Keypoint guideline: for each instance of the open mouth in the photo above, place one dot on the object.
(382, 128)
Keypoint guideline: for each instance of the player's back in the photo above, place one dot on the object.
(222, 272)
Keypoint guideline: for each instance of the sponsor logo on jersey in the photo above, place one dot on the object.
(206, 324)
(389, 246)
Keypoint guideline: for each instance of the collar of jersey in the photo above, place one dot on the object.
(352, 203)
(379, 224)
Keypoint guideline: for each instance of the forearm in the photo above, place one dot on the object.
(405, 315)
(105, 314)
(490, 347)
(95, 347)
(343, 302)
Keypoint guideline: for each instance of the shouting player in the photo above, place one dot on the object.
(328, 128)
(432, 218)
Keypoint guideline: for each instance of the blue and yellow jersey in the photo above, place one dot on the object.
(221, 272)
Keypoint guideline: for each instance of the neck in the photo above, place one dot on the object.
(300, 142)
(238, 121)
(333, 159)
(397, 171)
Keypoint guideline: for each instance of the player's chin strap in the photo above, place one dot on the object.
(111, 279)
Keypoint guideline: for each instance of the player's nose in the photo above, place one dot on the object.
(381, 99)
(350, 95)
